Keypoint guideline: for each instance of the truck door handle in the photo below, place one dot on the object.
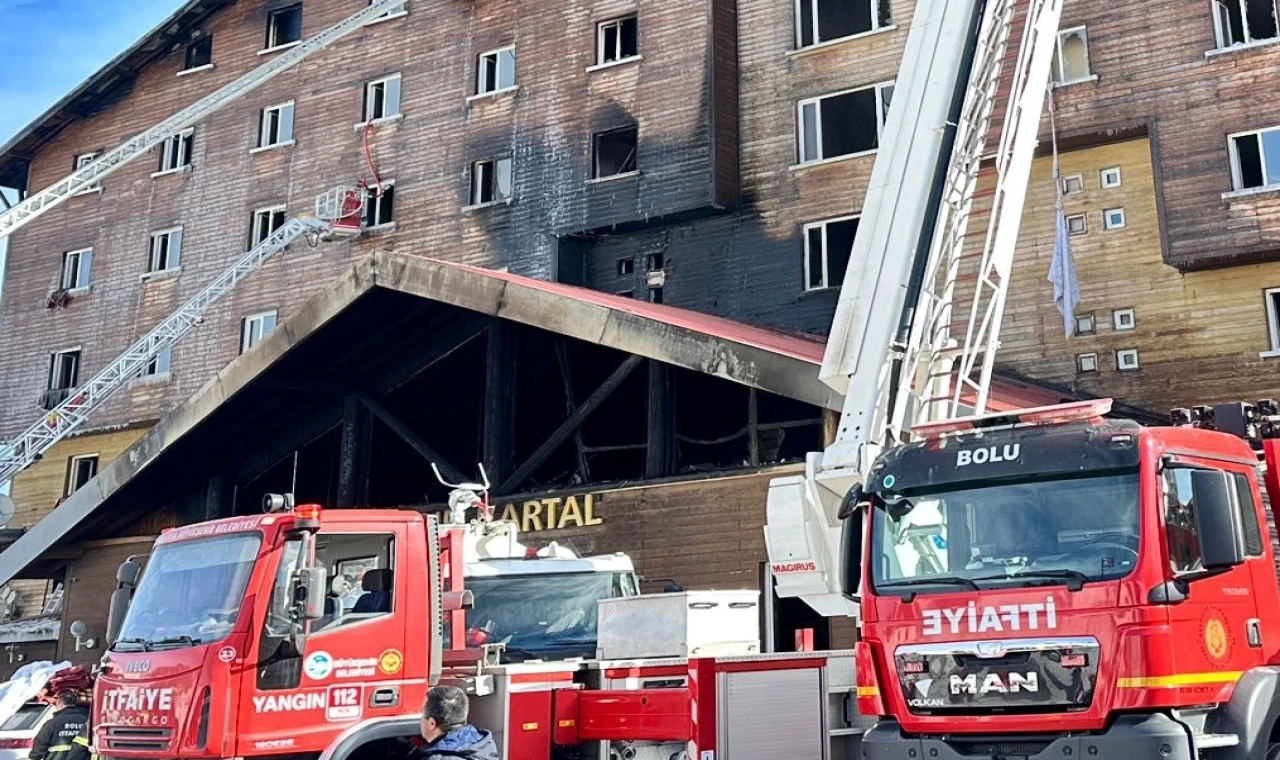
(1253, 630)
(387, 696)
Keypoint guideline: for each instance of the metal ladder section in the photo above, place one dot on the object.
(17, 454)
(104, 165)
(934, 353)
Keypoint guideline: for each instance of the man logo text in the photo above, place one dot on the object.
(992, 684)
(988, 455)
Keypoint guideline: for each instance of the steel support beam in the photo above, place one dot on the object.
(410, 437)
(574, 422)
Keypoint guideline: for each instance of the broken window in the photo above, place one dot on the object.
(265, 221)
(83, 160)
(199, 53)
(490, 181)
(842, 124)
(819, 21)
(382, 98)
(254, 328)
(496, 71)
(276, 125)
(166, 250)
(615, 152)
(76, 266)
(827, 246)
(284, 26)
(64, 370)
(175, 152)
(1240, 22)
(1255, 159)
(379, 207)
(1071, 58)
(80, 470)
(626, 267)
(617, 40)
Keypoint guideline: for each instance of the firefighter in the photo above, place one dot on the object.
(80, 749)
(444, 725)
(56, 739)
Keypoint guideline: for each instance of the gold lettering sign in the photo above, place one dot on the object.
(553, 513)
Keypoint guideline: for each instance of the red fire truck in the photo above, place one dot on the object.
(259, 667)
(1053, 584)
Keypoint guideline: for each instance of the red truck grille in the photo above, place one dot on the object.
(139, 739)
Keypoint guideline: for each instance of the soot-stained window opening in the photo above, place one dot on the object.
(615, 152)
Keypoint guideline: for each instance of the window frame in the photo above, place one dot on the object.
(1219, 39)
(373, 207)
(1089, 357)
(340, 623)
(83, 273)
(493, 178)
(81, 161)
(1104, 183)
(1065, 183)
(76, 352)
(397, 12)
(1117, 316)
(72, 461)
(881, 117)
(1084, 218)
(206, 39)
(171, 234)
(1271, 299)
(826, 258)
(1060, 63)
(369, 98)
(1081, 317)
(273, 42)
(873, 7)
(1121, 362)
(288, 106)
(600, 39)
(160, 365)
(176, 152)
(1246, 510)
(497, 55)
(267, 212)
(259, 318)
(1237, 180)
(595, 153)
(1108, 224)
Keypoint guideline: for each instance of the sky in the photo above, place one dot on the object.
(48, 47)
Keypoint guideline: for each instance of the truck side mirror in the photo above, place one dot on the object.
(127, 576)
(1217, 520)
(128, 572)
(309, 593)
(851, 544)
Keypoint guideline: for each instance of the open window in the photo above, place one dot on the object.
(159, 366)
(284, 26)
(490, 181)
(1071, 58)
(255, 327)
(1255, 159)
(380, 206)
(275, 125)
(617, 40)
(80, 470)
(819, 21)
(265, 222)
(615, 152)
(496, 71)
(827, 246)
(199, 53)
(382, 98)
(843, 123)
(77, 266)
(175, 152)
(166, 251)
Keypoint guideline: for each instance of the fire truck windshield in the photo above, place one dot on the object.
(546, 616)
(1013, 534)
(190, 592)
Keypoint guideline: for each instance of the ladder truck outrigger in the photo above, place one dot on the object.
(1035, 584)
(338, 213)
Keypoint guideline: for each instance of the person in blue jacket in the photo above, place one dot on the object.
(444, 725)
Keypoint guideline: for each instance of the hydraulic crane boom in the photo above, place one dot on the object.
(35, 205)
(891, 351)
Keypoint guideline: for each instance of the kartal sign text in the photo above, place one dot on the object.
(553, 513)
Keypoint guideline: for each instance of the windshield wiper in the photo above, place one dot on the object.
(141, 643)
(934, 580)
(1077, 579)
(184, 640)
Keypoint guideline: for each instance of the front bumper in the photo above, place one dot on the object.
(1130, 737)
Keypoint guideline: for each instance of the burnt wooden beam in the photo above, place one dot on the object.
(574, 422)
(214, 498)
(299, 430)
(753, 428)
(571, 406)
(660, 459)
(498, 443)
(353, 457)
(410, 437)
(414, 361)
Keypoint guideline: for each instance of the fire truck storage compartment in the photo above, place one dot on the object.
(685, 624)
